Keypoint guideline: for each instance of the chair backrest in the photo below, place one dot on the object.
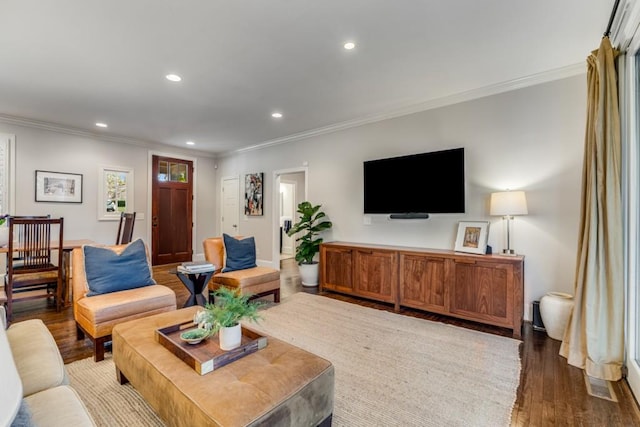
(32, 238)
(17, 255)
(214, 251)
(79, 275)
(125, 228)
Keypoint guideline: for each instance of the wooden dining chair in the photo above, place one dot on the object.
(35, 273)
(125, 228)
(17, 255)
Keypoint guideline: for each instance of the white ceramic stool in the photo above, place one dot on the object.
(555, 308)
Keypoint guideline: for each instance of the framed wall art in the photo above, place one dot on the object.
(58, 187)
(472, 237)
(115, 190)
(253, 194)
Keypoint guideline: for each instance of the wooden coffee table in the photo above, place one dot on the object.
(279, 385)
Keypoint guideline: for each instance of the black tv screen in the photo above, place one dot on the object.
(420, 183)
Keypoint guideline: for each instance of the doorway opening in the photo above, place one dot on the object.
(291, 189)
(287, 215)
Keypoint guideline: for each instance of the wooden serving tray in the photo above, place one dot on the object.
(207, 355)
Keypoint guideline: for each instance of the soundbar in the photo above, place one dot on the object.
(409, 216)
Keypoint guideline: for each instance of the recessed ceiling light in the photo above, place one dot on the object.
(191, 143)
(276, 115)
(349, 45)
(173, 77)
(101, 125)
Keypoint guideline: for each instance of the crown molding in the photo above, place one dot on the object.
(415, 107)
(53, 127)
(428, 104)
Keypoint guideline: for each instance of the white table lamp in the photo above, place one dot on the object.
(507, 204)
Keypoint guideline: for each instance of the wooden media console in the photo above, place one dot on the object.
(483, 288)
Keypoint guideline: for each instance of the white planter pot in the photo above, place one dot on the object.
(555, 309)
(230, 337)
(309, 274)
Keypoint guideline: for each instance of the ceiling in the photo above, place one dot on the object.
(71, 63)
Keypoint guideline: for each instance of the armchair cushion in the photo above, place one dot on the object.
(107, 271)
(240, 254)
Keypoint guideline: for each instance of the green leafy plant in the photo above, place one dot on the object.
(229, 309)
(312, 221)
(3, 219)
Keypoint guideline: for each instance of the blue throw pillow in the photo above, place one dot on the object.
(108, 271)
(24, 416)
(240, 254)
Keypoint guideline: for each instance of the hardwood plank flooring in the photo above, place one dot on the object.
(551, 393)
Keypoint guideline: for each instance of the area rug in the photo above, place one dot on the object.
(108, 402)
(395, 370)
(390, 370)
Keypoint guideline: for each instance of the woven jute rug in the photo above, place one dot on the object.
(108, 402)
(390, 370)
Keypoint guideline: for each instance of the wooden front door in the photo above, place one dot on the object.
(171, 239)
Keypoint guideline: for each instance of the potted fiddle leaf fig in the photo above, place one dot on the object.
(312, 221)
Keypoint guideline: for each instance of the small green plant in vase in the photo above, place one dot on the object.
(225, 314)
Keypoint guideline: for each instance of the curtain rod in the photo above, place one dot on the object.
(613, 15)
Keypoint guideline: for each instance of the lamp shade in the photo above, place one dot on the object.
(508, 203)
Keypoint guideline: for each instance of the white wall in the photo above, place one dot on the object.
(38, 149)
(529, 139)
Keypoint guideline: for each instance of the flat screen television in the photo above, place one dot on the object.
(416, 184)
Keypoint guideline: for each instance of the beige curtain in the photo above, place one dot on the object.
(594, 338)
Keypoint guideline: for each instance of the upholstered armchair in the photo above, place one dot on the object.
(113, 284)
(238, 270)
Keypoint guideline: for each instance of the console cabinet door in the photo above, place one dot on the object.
(483, 291)
(376, 274)
(423, 282)
(337, 268)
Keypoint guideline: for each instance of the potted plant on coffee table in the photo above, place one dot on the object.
(225, 314)
(312, 222)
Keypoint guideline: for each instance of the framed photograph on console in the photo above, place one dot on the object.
(472, 237)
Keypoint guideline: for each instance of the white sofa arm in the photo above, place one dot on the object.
(11, 390)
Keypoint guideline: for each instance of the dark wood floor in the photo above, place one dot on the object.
(550, 392)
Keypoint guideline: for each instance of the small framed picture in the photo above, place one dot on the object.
(472, 237)
(58, 187)
(253, 194)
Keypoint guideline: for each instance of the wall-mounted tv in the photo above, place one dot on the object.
(423, 183)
